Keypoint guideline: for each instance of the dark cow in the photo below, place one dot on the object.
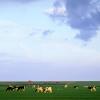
(76, 87)
(10, 88)
(89, 87)
(20, 88)
(92, 88)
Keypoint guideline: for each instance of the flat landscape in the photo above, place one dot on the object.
(60, 92)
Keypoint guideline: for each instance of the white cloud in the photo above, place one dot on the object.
(82, 15)
(59, 11)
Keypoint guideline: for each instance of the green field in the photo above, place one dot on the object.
(59, 92)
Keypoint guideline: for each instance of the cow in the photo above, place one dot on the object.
(39, 89)
(65, 86)
(76, 87)
(48, 90)
(92, 88)
(10, 88)
(20, 88)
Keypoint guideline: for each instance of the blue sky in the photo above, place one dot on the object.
(49, 40)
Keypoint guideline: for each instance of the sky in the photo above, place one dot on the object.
(49, 40)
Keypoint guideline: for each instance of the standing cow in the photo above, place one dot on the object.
(48, 90)
(92, 88)
(76, 87)
(39, 89)
(10, 88)
(20, 88)
(65, 86)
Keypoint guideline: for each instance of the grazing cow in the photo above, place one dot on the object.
(10, 88)
(65, 86)
(48, 90)
(39, 89)
(20, 88)
(76, 87)
(15, 87)
(92, 88)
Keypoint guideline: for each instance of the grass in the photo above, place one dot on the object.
(59, 93)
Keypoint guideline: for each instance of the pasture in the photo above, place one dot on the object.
(59, 91)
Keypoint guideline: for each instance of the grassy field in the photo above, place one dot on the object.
(59, 92)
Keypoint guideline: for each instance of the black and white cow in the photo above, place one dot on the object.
(20, 88)
(92, 88)
(10, 88)
(76, 87)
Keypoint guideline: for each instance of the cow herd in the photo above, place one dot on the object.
(38, 89)
(45, 89)
(15, 88)
(92, 88)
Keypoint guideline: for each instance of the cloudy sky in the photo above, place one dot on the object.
(49, 40)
